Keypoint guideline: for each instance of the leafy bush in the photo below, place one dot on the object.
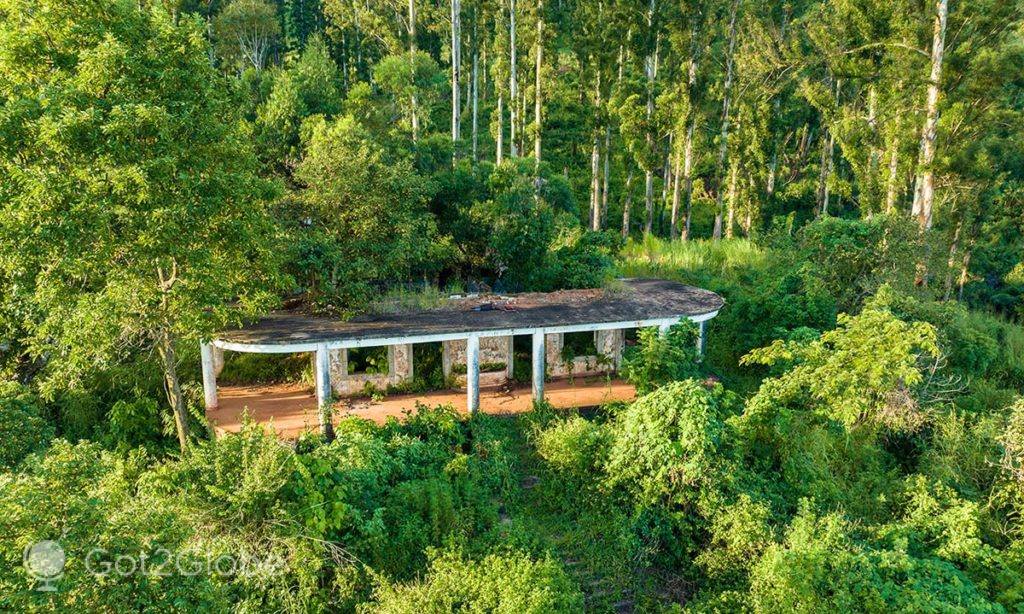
(666, 443)
(821, 567)
(576, 448)
(659, 359)
(85, 498)
(251, 368)
(863, 372)
(134, 423)
(23, 430)
(511, 583)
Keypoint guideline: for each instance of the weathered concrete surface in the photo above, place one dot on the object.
(636, 299)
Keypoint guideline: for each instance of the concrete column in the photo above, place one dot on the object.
(400, 366)
(701, 337)
(538, 366)
(323, 389)
(609, 343)
(206, 355)
(473, 373)
(218, 359)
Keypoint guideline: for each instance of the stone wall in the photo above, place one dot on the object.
(343, 383)
(492, 350)
(609, 346)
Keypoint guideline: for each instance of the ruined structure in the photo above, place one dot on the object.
(475, 331)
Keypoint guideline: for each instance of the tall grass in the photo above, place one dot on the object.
(403, 300)
(690, 260)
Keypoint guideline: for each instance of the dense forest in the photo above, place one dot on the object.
(847, 174)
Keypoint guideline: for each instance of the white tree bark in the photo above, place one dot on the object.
(891, 183)
(691, 122)
(538, 64)
(731, 217)
(513, 88)
(652, 75)
(607, 172)
(595, 189)
(412, 68)
(456, 52)
(627, 204)
(723, 145)
(924, 189)
(476, 98)
(499, 140)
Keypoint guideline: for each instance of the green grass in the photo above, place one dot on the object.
(402, 300)
(690, 260)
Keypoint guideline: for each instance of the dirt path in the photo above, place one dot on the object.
(291, 408)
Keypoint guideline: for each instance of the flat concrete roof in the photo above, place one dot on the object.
(636, 302)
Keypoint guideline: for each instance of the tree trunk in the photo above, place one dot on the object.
(688, 181)
(954, 246)
(595, 199)
(169, 361)
(666, 186)
(627, 204)
(924, 189)
(964, 275)
(513, 89)
(412, 68)
(651, 66)
(891, 183)
(456, 52)
(773, 165)
(476, 98)
(595, 164)
(673, 231)
(499, 141)
(825, 170)
(731, 217)
(691, 123)
(723, 146)
(873, 151)
(537, 83)
(607, 172)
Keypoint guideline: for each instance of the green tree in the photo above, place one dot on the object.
(132, 217)
(367, 205)
(246, 32)
(868, 371)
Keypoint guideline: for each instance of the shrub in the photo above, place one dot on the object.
(666, 443)
(822, 568)
(511, 583)
(248, 368)
(865, 371)
(659, 359)
(22, 427)
(85, 499)
(576, 448)
(134, 423)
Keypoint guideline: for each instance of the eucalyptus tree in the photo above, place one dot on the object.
(246, 32)
(924, 184)
(132, 217)
(723, 137)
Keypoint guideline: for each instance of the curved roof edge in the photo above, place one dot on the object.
(631, 303)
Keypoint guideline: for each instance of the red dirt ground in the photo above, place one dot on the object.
(291, 408)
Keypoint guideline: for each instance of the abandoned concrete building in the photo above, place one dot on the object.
(476, 334)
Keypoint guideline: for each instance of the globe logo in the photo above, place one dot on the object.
(44, 561)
